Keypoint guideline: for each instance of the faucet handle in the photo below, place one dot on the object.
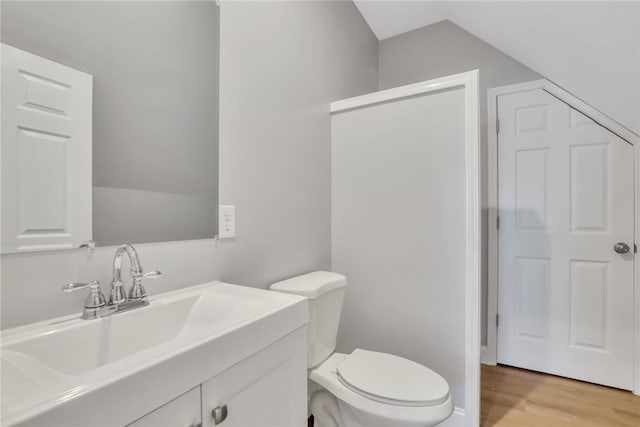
(148, 275)
(137, 291)
(76, 286)
(95, 299)
(151, 275)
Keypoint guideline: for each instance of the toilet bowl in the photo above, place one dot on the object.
(381, 392)
(364, 388)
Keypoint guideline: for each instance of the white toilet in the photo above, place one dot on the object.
(364, 388)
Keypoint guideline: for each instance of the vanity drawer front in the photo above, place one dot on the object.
(268, 389)
(183, 411)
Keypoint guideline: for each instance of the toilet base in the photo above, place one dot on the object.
(328, 411)
(325, 410)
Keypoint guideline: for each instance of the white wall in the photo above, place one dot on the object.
(590, 48)
(281, 65)
(399, 218)
(439, 50)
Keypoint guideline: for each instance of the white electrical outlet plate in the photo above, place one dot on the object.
(227, 222)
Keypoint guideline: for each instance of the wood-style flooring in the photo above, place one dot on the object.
(521, 398)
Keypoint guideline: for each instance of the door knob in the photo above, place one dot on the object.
(621, 248)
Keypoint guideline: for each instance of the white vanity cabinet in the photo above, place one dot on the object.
(211, 346)
(267, 389)
(183, 411)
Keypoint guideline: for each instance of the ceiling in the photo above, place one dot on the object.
(590, 48)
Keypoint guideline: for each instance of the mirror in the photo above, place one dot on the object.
(109, 122)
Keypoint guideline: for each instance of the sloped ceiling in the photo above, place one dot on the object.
(590, 48)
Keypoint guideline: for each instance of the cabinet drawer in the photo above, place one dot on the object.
(183, 411)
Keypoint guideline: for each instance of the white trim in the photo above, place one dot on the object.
(396, 93)
(636, 290)
(595, 115)
(472, 244)
(490, 356)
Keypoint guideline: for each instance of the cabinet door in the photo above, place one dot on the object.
(268, 389)
(183, 411)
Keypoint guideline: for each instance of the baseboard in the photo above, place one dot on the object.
(457, 419)
(485, 358)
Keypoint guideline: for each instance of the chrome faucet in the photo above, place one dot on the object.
(136, 292)
(96, 306)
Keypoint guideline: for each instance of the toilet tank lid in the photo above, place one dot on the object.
(311, 285)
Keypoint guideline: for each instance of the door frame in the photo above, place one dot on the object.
(490, 352)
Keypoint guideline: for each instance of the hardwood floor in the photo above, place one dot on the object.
(517, 397)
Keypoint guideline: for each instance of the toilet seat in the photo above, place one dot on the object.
(391, 379)
(394, 411)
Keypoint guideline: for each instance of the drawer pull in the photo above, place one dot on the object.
(196, 425)
(219, 414)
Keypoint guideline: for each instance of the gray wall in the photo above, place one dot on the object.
(281, 65)
(441, 49)
(155, 105)
(398, 229)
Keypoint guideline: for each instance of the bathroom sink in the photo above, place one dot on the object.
(88, 345)
(49, 363)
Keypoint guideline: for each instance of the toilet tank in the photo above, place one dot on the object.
(325, 291)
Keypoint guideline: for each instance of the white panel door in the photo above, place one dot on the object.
(566, 197)
(46, 153)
